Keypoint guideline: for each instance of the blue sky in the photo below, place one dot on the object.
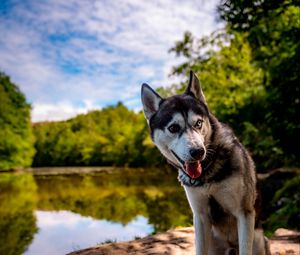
(69, 57)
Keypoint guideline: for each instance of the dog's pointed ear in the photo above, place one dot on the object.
(150, 100)
(194, 88)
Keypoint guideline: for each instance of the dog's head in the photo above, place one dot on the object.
(179, 125)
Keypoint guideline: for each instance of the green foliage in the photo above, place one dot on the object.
(250, 76)
(286, 202)
(17, 201)
(257, 137)
(233, 86)
(273, 29)
(113, 136)
(235, 80)
(16, 139)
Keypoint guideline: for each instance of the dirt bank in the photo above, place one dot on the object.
(181, 242)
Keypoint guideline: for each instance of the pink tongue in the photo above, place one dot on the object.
(193, 169)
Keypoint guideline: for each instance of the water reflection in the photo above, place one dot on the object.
(17, 221)
(137, 201)
(118, 196)
(76, 232)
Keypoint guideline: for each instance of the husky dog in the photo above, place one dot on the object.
(216, 171)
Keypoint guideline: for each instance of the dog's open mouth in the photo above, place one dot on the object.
(193, 169)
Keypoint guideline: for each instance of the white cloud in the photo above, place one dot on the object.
(64, 52)
(57, 112)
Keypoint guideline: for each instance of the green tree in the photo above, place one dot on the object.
(273, 32)
(16, 138)
(224, 64)
(234, 88)
(113, 136)
(250, 75)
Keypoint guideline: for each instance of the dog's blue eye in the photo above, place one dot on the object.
(198, 124)
(174, 128)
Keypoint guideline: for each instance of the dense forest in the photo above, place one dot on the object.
(249, 72)
(16, 138)
(114, 136)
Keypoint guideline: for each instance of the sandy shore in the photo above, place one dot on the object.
(181, 242)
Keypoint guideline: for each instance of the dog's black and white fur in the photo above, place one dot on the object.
(216, 171)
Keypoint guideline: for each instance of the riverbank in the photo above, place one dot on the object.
(71, 170)
(181, 242)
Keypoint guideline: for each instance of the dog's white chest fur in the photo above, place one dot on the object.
(228, 194)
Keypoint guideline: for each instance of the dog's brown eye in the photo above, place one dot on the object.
(174, 128)
(198, 124)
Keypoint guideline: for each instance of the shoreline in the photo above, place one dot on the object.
(69, 170)
(65, 170)
(181, 242)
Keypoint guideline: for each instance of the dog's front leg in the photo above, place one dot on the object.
(198, 201)
(202, 233)
(246, 232)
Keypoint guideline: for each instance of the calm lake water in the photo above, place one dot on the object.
(47, 213)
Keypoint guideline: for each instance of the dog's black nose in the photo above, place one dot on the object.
(197, 153)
